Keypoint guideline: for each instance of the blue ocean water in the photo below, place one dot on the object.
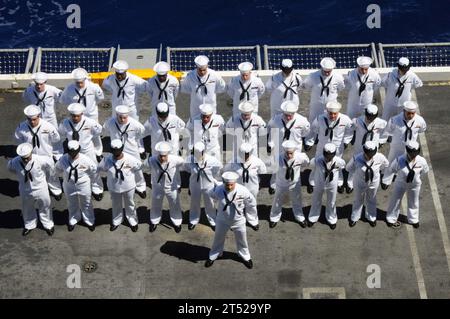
(178, 23)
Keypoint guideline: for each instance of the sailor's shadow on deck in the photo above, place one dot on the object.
(9, 187)
(8, 151)
(192, 253)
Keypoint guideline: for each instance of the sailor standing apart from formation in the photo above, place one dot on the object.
(246, 87)
(125, 88)
(77, 170)
(284, 86)
(43, 95)
(203, 85)
(31, 171)
(361, 83)
(232, 200)
(248, 166)
(163, 88)
(121, 169)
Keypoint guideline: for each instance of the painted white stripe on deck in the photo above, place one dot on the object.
(339, 291)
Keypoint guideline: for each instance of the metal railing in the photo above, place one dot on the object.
(16, 61)
(308, 56)
(221, 58)
(420, 54)
(65, 60)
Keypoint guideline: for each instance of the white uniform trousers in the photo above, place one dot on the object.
(194, 212)
(80, 206)
(96, 182)
(40, 201)
(316, 207)
(158, 194)
(412, 193)
(252, 219)
(121, 201)
(141, 185)
(54, 184)
(240, 234)
(295, 197)
(364, 193)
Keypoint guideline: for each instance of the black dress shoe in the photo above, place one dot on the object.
(416, 225)
(373, 224)
(213, 228)
(209, 263)
(191, 226)
(351, 223)
(142, 194)
(26, 232)
(177, 229)
(153, 227)
(91, 228)
(97, 197)
(340, 189)
(302, 224)
(113, 227)
(272, 224)
(56, 197)
(397, 224)
(135, 228)
(348, 190)
(70, 228)
(310, 224)
(332, 226)
(50, 232)
(255, 228)
(248, 264)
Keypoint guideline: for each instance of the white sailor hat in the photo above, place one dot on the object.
(199, 147)
(403, 61)
(206, 109)
(39, 77)
(287, 63)
(246, 107)
(116, 144)
(413, 145)
(370, 145)
(201, 61)
(364, 61)
(73, 145)
(80, 74)
(162, 107)
(372, 109)
(334, 106)
(121, 66)
(76, 108)
(245, 67)
(32, 111)
(246, 148)
(230, 177)
(328, 64)
(24, 150)
(410, 106)
(163, 148)
(289, 145)
(289, 107)
(329, 148)
(161, 68)
(122, 109)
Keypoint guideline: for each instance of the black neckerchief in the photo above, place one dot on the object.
(35, 141)
(202, 84)
(163, 172)
(166, 133)
(325, 87)
(329, 172)
(287, 130)
(73, 169)
(369, 133)
(330, 130)
(124, 132)
(289, 170)
(76, 133)
(411, 172)
(27, 172)
(245, 129)
(245, 173)
(40, 102)
(245, 92)
(229, 202)
(119, 173)
(369, 172)
(162, 90)
(81, 97)
(290, 87)
(206, 131)
(401, 87)
(408, 130)
(202, 170)
(362, 85)
(121, 88)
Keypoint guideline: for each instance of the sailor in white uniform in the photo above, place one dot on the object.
(364, 172)
(208, 128)
(324, 85)
(77, 170)
(121, 169)
(125, 88)
(324, 178)
(248, 166)
(203, 85)
(43, 95)
(399, 84)
(246, 127)
(403, 128)
(204, 171)
(233, 199)
(31, 171)
(165, 126)
(409, 169)
(44, 138)
(84, 130)
(288, 126)
(246, 87)
(89, 94)
(287, 182)
(163, 88)
(361, 83)
(284, 86)
(166, 182)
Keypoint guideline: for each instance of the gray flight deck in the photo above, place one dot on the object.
(289, 261)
